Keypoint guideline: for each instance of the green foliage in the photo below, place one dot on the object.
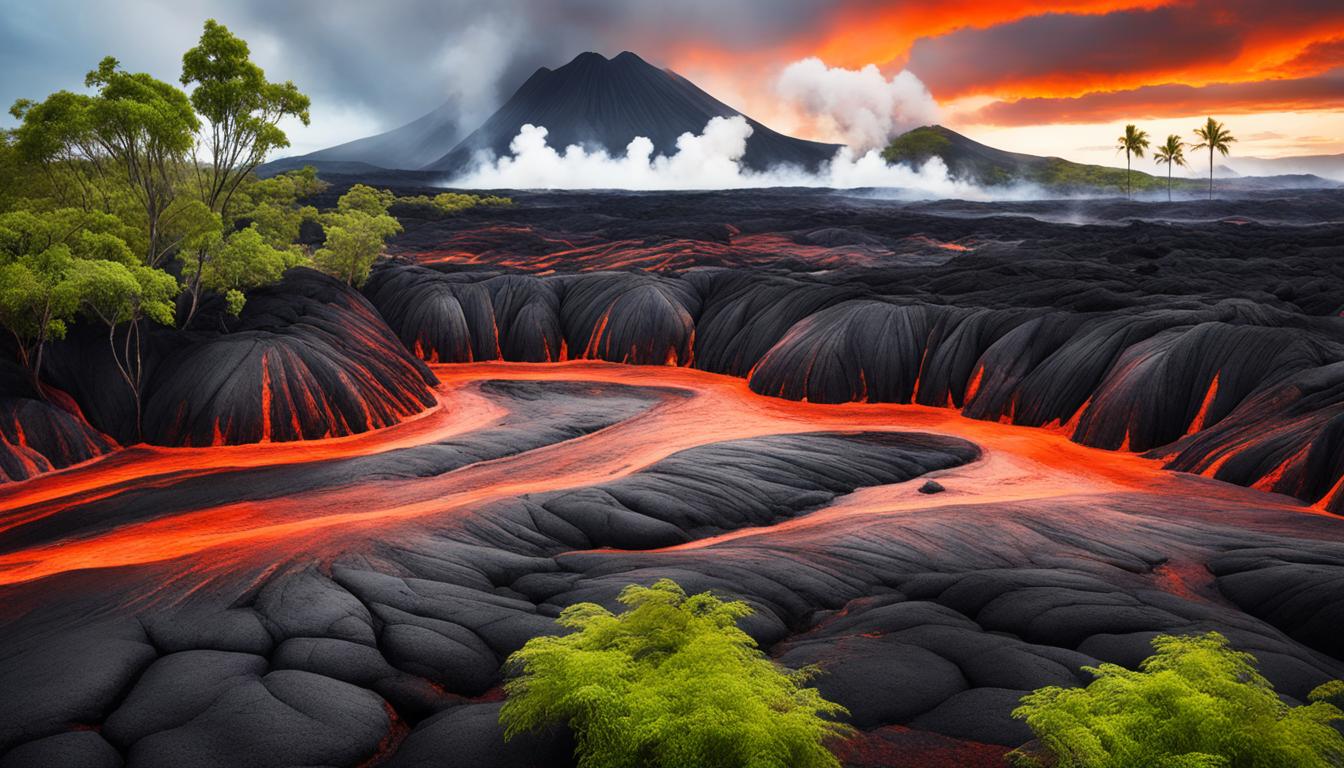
(92, 198)
(670, 682)
(356, 232)
(446, 203)
(1214, 136)
(1170, 153)
(1064, 175)
(1195, 703)
(272, 204)
(243, 260)
(242, 108)
(116, 293)
(38, 298)
(916, 147)
(365, 199)
(1133, 143)
(145, 127)
(88, 234)
(354, 242)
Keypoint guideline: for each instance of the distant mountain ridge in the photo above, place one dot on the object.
(1327, 166)
(969, 160)
(972, 161)
(409, 147)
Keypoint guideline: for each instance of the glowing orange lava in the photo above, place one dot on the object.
(1018, 463)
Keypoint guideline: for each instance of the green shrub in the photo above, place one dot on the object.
(1196, 703)
(670, 682)
(449, 202)
(915, 147)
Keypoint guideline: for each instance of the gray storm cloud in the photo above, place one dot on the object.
(373, 66)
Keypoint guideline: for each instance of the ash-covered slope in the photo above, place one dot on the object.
(604, 103)
(412, 145)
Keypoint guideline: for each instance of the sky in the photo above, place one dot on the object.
(1052, 78)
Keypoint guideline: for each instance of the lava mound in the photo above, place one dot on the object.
(1247, 393)
(41, 434)
(310, 359)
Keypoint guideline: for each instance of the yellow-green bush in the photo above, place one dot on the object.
(1195, 703)
(670, 682)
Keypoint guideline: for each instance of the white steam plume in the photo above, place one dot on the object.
(860, 105)
(710, 160)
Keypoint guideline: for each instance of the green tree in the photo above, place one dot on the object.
(1213, 135)
(356, 234)
(1169, 154)
(242, 108)
(366, 199)
(672, 681)
(273, 204)
(236, 264)
(1195, 703)
(56, 135)
(116, 294)
(1132, 142)
(146, 127)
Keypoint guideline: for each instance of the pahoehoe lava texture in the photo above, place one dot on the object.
(296, 671)
(308, 358)
(350, 602)
(1215, 343)
(39, 434)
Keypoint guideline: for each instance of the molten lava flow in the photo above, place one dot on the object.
(540, 253)
(145, 465)
(1018, 463)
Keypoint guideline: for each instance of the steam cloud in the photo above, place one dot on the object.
(709, 160)
(859, 104)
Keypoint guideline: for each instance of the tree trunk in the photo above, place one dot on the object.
(36, 371)
(1128, 191)
(195, 291)
(1168, 182)
(124, 369)
(1210, 173)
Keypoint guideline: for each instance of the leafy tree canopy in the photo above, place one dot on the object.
(356, 232)
(241, 106)
(135, 111)
(38, 298)
(672, 681)
(240, 262)
(354, 242)
(365, 199)
(115, 293)
(450, 202)
(87, 234)
(1196, 703)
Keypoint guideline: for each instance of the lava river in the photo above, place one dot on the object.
(1018, 464)
(459, 506)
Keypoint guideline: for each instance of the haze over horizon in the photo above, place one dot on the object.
(1037, 77)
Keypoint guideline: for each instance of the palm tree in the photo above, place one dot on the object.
(1169, 154)
(1133, 143)
(1214, 135)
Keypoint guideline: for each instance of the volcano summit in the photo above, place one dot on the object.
(593, 102)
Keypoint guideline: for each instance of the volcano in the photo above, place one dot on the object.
(593, 101)
(602, 103)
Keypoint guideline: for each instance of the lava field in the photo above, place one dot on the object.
(349, 507)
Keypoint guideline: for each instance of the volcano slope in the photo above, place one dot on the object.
(1136, 424)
